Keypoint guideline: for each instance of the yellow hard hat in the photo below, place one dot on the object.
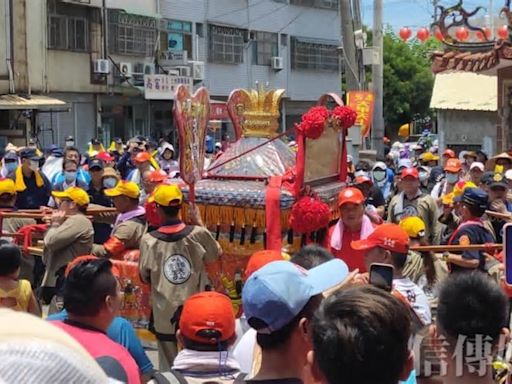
(414, 226)
(404, 130)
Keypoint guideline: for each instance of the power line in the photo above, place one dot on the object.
(238, 10)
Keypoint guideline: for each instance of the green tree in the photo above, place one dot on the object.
(408, 79)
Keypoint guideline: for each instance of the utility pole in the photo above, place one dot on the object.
(349, 46)
(377, 80)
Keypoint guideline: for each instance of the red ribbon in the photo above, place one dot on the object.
(300, 162)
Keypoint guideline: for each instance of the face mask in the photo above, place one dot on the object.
(109, 183)
(452, 178)
(34, 165)
(379, 175)
(11, 166)
(70, 176)
(423, 176)
(70, 143)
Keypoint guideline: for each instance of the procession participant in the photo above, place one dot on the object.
(412, 202)
(32, 186)
(481, 157)
(96, 192)
(453, 169)
(53, 163)
(68, 177)
(471, 308)
(207, 331)
(152, 180)
(130, 225)
(166, 158)
(15, 293)
(107, 158)
(125, 165)
(498, 202)
(381, 179)
(503, 160)
(424, 176)
(173, 260)
(471, 230)
(447, 155)
(70, 235)
(69, 141)
(361, 335)
(142, 162)
(92, 299)
(389, 244)
(469, 158)
(116, 148)
(95, 147)
(11, 162)
(73, 154)
(352, 225)
(283, 322)
(110, 178)
(375, 203)
(476, 171)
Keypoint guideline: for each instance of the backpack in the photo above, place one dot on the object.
(175, 377)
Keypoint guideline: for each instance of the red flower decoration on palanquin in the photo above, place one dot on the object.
(343, 117)
(313, 122)
(308, 215)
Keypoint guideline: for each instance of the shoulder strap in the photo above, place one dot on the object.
(457, 230)
(173, 237)
(169, 377)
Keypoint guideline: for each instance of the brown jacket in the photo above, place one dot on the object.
(126, 235)
(174, 265)
(62, 244)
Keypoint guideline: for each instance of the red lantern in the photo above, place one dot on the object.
(462, 34)
(405, 33)
(503, 32)
(438, 35)
(484, 36)
(423, 34)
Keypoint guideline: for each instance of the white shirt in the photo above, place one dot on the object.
(244, 351)
(416, 298)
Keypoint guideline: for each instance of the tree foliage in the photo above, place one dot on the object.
(408, 79)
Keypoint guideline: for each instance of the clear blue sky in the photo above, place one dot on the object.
(416, 13)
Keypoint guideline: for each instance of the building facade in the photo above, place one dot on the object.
(89, 59)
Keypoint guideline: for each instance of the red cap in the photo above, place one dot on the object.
(350, 195)
(142, 157)
(453, 165)
(362, 180)
(157, 176)
(260, 259)
(104, 156)
(207, 311)
(409, 172)
(449, 153)
(388, 236)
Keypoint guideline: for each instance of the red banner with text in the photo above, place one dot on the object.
(362, 102)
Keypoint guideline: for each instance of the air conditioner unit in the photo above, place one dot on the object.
(197, 70)
(149, 68)
(101, 66)
(184, 71)
(125, 69)
(276, 63)
(173, 72)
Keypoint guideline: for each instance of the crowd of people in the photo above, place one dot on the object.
(324, 315)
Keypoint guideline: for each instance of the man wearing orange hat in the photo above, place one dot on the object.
(352, 225)
(151, 180)
(389, 244)
(412, 202)
(143, 162)
(173, 259)
(129, 226)
(207, 330)
(453, 173)
(70, 235)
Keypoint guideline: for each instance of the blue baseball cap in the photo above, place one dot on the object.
(276, 293)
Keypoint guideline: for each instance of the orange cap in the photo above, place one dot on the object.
(388, 236)
(157, 176)
(362, 180)
(207, 318)
(260, 259)
(449, 153)
(453, 165)
(350, 195)
(409, 172)
(142, 157)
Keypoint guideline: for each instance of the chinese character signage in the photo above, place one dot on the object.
(362, 102)
(163, 87)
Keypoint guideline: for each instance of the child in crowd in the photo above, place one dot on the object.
(15, 294)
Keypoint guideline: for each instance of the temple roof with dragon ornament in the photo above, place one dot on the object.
(484, 56)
